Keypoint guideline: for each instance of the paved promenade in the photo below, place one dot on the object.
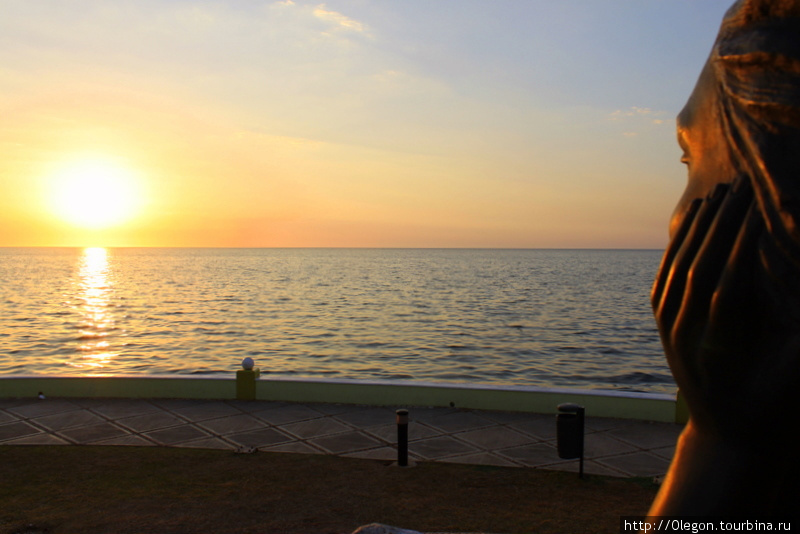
(615, 447)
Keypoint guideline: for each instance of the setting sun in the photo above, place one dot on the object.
(95, 194)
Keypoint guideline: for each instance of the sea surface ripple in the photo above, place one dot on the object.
(558, 318)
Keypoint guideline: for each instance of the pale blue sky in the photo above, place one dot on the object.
(353, 123)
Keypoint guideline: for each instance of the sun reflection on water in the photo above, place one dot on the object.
(95, 288)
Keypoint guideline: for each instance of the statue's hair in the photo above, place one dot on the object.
(756, 60)
(757, 56)
(745, 12)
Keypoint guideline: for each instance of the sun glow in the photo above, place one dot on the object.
(95, 193)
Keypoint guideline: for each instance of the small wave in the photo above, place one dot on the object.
(200, 372)
(91, 337)
(461, 377)
(323, 335)
(500, 374)
(212, 332)
(638, 377)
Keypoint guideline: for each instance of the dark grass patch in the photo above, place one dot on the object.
(87, 490)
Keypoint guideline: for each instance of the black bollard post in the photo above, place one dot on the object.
(402, 438)
(569, 429)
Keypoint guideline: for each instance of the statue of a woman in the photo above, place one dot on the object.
(727, 296)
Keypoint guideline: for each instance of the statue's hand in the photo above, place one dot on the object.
(732, 344)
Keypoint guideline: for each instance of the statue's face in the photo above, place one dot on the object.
(706, 150)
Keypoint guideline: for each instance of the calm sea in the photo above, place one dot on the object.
(564, 318)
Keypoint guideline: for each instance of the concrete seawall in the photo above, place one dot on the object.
(618, 404)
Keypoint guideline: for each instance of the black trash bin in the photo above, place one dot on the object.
(569, 430)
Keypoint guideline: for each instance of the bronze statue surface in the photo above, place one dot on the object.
(727, 295)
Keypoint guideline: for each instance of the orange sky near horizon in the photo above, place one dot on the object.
(291, 124)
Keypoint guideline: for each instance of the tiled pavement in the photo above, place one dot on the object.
(616, 447)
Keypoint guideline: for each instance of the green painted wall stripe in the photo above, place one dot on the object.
(118, 387)
(651, 407)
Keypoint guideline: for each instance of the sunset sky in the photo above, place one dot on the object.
(353, 123)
